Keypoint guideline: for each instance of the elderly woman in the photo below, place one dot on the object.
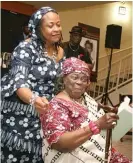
(36, 63)
(73, 123)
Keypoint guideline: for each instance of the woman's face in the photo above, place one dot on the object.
(88, 48)
(51, 28)
(76, 84)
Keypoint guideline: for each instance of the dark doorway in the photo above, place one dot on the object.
(11, 32)
(11, 29)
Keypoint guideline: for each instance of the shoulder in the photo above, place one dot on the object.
(62, 96)
(57, 104)
(61, 99)
(24, 50)
(25, 44)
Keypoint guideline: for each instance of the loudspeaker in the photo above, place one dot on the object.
(113, 36)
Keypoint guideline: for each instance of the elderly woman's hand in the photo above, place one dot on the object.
(108, 108)
(41, 104)
(108, 121)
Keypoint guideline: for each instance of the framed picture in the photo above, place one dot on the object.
(90, 41)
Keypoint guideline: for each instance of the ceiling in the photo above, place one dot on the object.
(65, 5)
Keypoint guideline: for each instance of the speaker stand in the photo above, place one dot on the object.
(105, 100)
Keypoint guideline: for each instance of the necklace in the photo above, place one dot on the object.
(74, 50)
(53, 56)
(80, 101)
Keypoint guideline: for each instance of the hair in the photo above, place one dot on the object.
(90, 43)
(41, 37)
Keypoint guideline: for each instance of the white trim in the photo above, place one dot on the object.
(116, 52)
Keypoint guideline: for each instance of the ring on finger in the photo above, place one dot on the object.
(113, 123)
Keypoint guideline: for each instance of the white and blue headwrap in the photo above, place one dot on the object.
(35, 19)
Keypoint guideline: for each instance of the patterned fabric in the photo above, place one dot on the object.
(60, 119)
(73, 64)
(10, 155)
(30, 65)
(20, 127)
(117, 157)
(32, 68)
(68, 116)
(35, 19)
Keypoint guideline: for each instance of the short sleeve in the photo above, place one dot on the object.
(21, 62)
(55, 122)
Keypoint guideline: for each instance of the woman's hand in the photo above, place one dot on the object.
(41, 104)
(108, 108)
(108, 121)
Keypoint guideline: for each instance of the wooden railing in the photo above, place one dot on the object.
(121, 72)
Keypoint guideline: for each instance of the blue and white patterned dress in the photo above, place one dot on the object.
(20, 122)
(30, 68)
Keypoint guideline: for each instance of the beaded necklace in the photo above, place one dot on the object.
(81, 101)
(53, 57)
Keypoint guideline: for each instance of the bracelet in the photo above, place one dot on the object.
(94, 128)
(33, 98)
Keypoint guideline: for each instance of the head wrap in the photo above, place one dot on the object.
(75, 65)
(36, 17)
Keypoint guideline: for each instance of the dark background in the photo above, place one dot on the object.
(11, 33)
(11, 29)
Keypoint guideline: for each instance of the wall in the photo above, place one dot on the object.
(18, 7)
(114, 96)
(100, 16)
(125, 90)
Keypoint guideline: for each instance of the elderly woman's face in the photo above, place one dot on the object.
(51, 28)
(76, 83)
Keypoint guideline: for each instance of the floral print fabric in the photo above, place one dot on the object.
(30, 65)
(30, 68)
(66, 116)
(73, 64)
(10, 155)
(117, 157)
(60, 119)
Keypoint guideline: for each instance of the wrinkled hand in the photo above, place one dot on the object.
(110, 109)
(41, 104)
(107, 121)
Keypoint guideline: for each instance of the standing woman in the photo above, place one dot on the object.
(26, 90)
